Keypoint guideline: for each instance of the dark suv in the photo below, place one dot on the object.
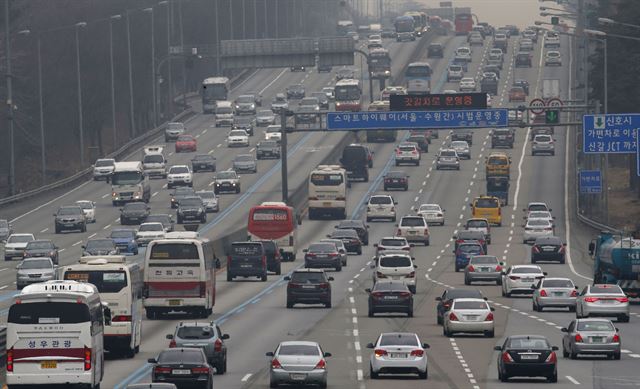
(182, 367)
(502, 137)
(70, 217)
(274, 256)
(308, 286)
(191, 209)
(355, 160)
(361, 228)
(435, 50)
(134, 213)
(206, 336)
(247, 259)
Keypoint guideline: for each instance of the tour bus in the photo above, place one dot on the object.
(420, 21)
(380, 63)
(404, 24)
(120, 285)
(179, 275)
(381, 135)
(328, 191)
(345, 26)
(348, 95)
(464, 23)
(214, 89)
(418, 77)
(275, 221)
(55, 335)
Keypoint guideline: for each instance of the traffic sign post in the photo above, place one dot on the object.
(552, 116)
(401, 120)
(590, 181)
(610, 133)
(537, 106)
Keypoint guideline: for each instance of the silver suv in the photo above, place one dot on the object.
(32, 270)
(203, 335)
(173, 131)
(448, 159)
(227, 181)
(543, 144)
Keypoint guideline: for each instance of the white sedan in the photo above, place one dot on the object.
(398, 352)
(467, 84)
(535, 228)
(521, 279)
(469, 315)
(238, 138)
(89, 209)
(546, 215)
(432, 213)
(273, 132)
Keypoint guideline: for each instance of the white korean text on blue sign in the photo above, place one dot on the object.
(610, 133)
(590, 181)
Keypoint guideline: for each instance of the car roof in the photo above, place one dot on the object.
(463, 299)
(305, 270)
(298, 343)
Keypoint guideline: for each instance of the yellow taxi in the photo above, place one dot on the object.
(487, 207)
(497, 164)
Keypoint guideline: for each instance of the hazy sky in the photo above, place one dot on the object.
(522, 13)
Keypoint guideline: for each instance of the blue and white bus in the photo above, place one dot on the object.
(418, 77)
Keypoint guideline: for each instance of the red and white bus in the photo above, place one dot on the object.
(348, 95)
(275, 221)
(179, 276)
(464, 23)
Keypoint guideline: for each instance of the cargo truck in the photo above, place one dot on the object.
(616, 261)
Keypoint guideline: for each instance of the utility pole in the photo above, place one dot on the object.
(9, 102)
(132, 119)
(78, 26)
(283, 156)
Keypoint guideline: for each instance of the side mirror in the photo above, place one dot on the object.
(368, 290)
(287, 278)
(373, 266)
(425, 345)
(415, 266)
(576, 287)
(152, 360)
(326, 355)
(533, 286)
(492, 309)
(269, 354)
(554, 348)
(84, 246)
(225, 337)
(563, 329)
(305, 250)
(330, 278)
(544, 272)
(497, 348)
(169, 336)
(438, 298)
(370, 345)
(412, 245)
(375, 244)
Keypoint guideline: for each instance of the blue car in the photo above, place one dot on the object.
(465, 250)
(125, 240)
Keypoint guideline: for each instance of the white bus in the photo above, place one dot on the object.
(213, 90)
(328, 191)
(55, 335)
(179, 275)
(120, 285)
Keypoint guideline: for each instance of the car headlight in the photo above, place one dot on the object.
(200, 210)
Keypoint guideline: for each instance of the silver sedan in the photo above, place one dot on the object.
(536, 228)
(603, 300)
(591, 336)
(298, 363)
(469, 315)
(483, 268)
(554, 293)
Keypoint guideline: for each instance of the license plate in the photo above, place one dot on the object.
(472, 317)
(548, 248)
(558, 294)
(245, 266)
(398, 355)
(180, 371)
(297, 377)
(174, 302)
(485, 269)
(48, 364)
(203, 166)
(597, 339)
(308, 287)
(527, 280)
(391, 297)
(412, 232)
(529, 357)
(326, 204)
(607, 301)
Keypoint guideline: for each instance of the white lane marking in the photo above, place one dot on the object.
(107, 227)
(573, 380)
(360, 375)
(352, 300)
(45, 230)
(77, 243)
(246, 377)
(274, 80)
(61, 250)
(252, 149)
(92, 235)
(154, 194)
(356, 345)
(210, 152)
(219, 145)
(105, 195)
(3, 287)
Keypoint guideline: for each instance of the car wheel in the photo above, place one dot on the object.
(503, 377)
(490, 334)
(370, 313)
(565, 353)
(263, 277)
(573, 355)
(457, 268)
(339, 266)
(279, 269)
(290, 304)
(438, 319)
(616, 356)
(623, 319)
(410, 313)
(327, 304)
(423, 376)
(372, 373)
(229, 277)
(273, 384)
(467, 281)
(553, 378)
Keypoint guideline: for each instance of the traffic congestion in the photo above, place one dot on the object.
(442, 257)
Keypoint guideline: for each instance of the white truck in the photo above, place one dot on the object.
(154, 162)
(550, 89)
(129, 183)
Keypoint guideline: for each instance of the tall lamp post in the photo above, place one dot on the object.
(153, 66)
(112, 18)
(132, 120)
(9, 101)
(78, 26)
(169, 72)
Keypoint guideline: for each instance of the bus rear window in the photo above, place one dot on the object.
(270, 215)
(105, 281)
(48, 313)
(486, 203)
(497, 161)
(327, 179)
(174, 251)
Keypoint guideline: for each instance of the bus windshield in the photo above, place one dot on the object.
(174, 251)
(107, 281)
(419, 71)
(126, 178)
(347, 93)
(49, 313)
(327, 179)
(214, 91)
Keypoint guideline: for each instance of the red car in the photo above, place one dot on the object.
(186, 143)
(517, 93)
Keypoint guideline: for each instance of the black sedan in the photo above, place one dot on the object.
(350, 239)
(527, 356)
(361, 228)
(134, 213)
(396, 180)
(182, 367)
(308, 286)
(203, 162)
(444, 301)
(390, 296)
(42, 248)
(322, 255)
(435, 50)
(295, 91)
(548, 248)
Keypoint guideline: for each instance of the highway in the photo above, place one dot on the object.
(254, 313)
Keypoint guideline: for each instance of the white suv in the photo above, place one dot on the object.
(273, 132)
(408, 152)
(179, 175)
(395, 266)
(414, 229)
(543, 144)
(381, 207)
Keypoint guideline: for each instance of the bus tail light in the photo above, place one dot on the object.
(10, 359)
(121, 318)
(264, 261)
(87, 359)
(203, 289)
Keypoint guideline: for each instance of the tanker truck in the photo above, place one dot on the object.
(616, 261)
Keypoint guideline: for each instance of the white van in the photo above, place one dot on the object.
(154, 162)
(55, 335)
(224, 114)
(328, 191)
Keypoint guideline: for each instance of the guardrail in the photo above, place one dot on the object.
(3, 345)
(122, 151)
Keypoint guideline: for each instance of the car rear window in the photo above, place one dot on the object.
(395, 261)
(246, 249)
(525, 270)
(477, 223)
(599, 325)
(298, 349)
(406, 148)
(412, 222)
(469, 305)
(497, 161)
(393, 242)
(464, 235)
(398, 340)
(380, 200)
(487, 203)
(181, 356)
(528, 343)
(557, 284)
(470, 248)
(543, 138)
(196, 332)
(307, 277)
(322, 247)
(484, 260)
(605, 289)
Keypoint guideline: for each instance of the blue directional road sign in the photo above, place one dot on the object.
(590, 181)
(610, 133)
(475, 118)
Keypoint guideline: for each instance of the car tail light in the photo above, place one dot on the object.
(291, 285)
(417, 353)
(574, 293)
(591, 299)
(426, 232)
(404, 294)
(549, 229)
(121, 318)
(561, 250)
(399, 232)
(200, 370)
(161, 370)
(217, 345)
(498, 268)
(333, 255)
(87, 359)
(340, 198)
(324, 285)
(10, 359)
(459, 241)
(471, 268)
(453, 317)
(321, 364)
(543, 293)
(506, 358)
(489, 317)
(622, 299)
(387, 180)
(535, 249)
(414, 152)
(514, 277)
(380, 353)
(275, 364)
(578, 338)
(551, 358)
(398, 152)
(380, 275)
(311, 255)
(616, 338)
(407, 248)
(313, 198)
(172, 344)
(410, 275)
(377, 294)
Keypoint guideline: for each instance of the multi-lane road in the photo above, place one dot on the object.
(254, 313)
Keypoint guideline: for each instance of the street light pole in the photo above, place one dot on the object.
(184, 62)
(43, 159)
(132, 119)
(217, 29)
(153, 67)
(113, 87)
(9, 101)
(169, 72)
(79, 81)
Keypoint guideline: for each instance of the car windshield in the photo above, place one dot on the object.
(557, 284)
(470, 248)
(185, 138)
(69, 211)
(458, 144)
(484, 260)
(543, 138)
(526, 270)
(399, 340)
(153, 158)
(202, 158)
(245, 99)
(181, 355)
(396, 175)
(265, 112)
(380, 200)
(226, 175)
(238, 133)
(178, 170)
(393, 242)
(244, 158)
(344, 233)
(191, 202)
(309, 101)
(477, 224)
(487, 203)
(470, 235)
(307, 277)
(122, 234)
(537, 207)
(273, 129)
(528, 343)
(605, 289)
(462, 293)
(470, 305)
(37, 245)
(100, 244)
(135, 207)
(599, 325)
(298, 349)
(195, 332)
(268, 143)
(431, 208)
(183, 191)
(296, 88)
(20, 239)
(151, 227)
(407, 148)
(159, 218)
(322, 248)
(448, 153)
(175, 126)
(36, 264)
(412, 222)
(104, 162)
(395, 261)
